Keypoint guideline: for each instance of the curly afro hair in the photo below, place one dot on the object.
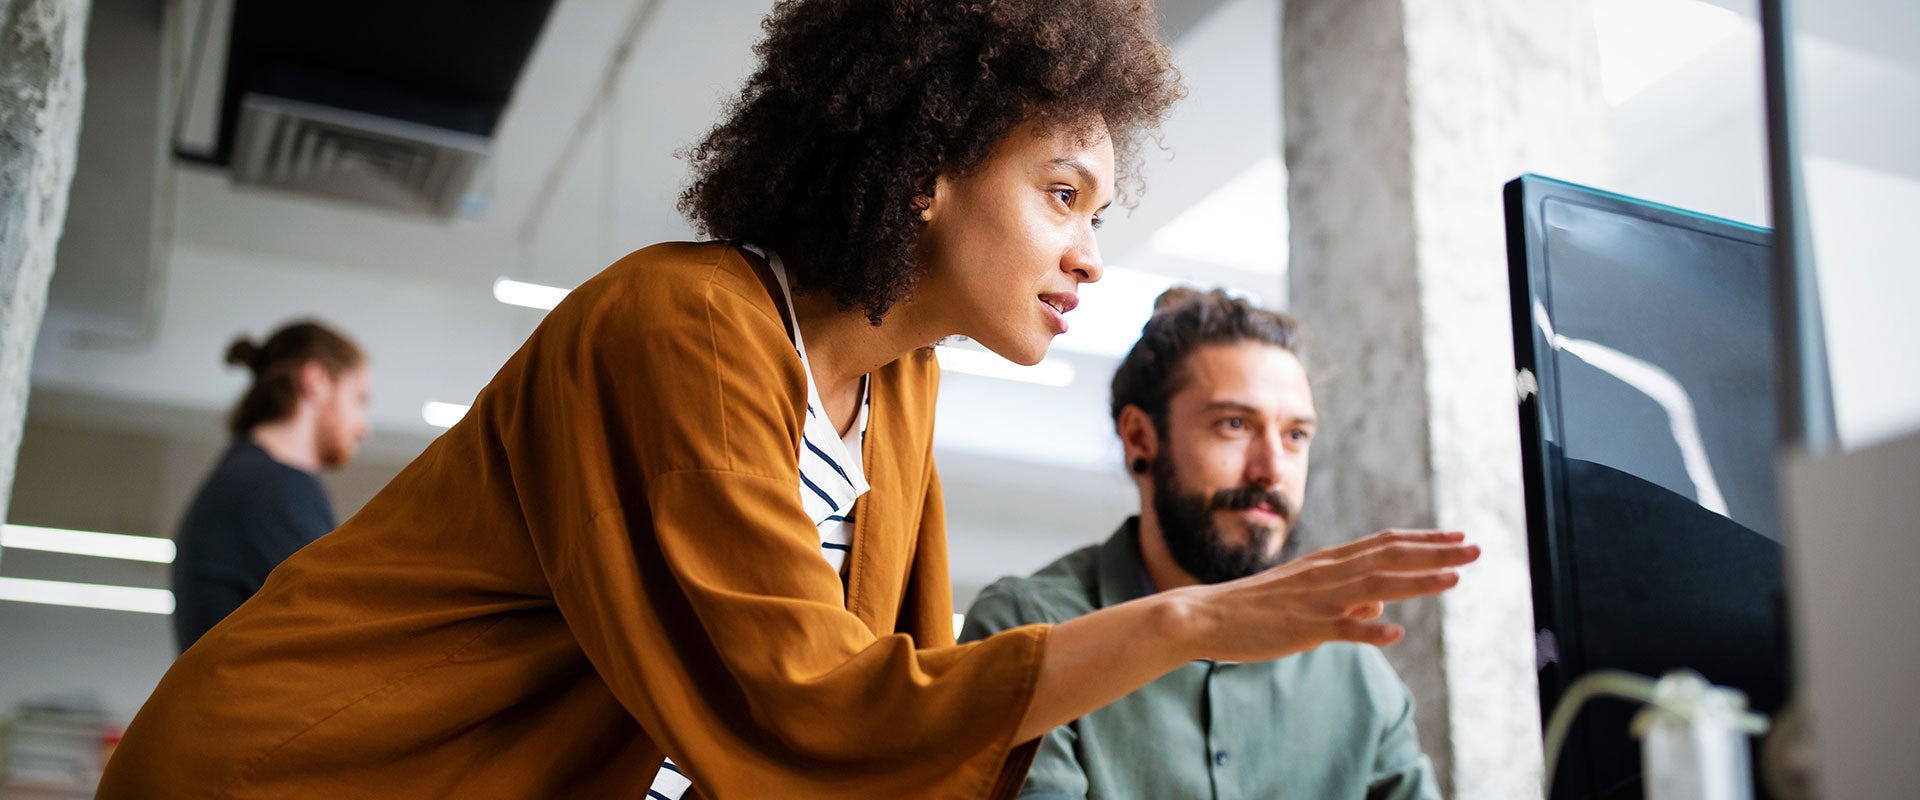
(857, 105)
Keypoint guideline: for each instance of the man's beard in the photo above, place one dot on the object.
(334, 445)
(1197, 544)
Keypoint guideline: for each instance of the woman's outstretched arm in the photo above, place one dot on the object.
(1332, 595)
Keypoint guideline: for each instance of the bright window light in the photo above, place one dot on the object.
(1242, 224)
(1642, 42)
(1111, 312)
(87, 595)
(442, 415)
(531, 295)
(988, 365)
(87, 543)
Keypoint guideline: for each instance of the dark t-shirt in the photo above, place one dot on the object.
(250, 514)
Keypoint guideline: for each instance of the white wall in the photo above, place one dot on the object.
(1697, 140)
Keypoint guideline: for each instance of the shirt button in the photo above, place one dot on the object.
(1220, 757)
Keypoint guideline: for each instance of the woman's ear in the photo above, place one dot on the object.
(930, 196)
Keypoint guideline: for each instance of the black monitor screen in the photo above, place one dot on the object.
(1664, 356)
(1650, 440)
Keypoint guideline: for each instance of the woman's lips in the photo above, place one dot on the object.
(1057, 305)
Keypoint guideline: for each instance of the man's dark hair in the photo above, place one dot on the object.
(276, 366)
(1185, 319)
(858, 105)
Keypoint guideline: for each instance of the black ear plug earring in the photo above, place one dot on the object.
(1139, 466)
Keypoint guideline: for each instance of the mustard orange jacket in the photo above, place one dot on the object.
(604, 563)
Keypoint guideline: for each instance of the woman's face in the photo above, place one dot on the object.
(1008, 243)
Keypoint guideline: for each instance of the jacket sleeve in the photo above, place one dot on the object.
(1056, 773)
(653, 451)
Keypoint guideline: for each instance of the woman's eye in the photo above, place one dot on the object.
(1233, 423)
(1065, 196)
(1098, 223)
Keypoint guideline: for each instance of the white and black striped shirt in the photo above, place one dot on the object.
(832, 477)
(832, 471)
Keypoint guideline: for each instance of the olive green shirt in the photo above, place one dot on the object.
(1334, 722)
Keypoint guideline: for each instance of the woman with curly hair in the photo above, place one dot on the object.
(696, 515)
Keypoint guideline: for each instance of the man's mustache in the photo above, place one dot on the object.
(1249, 496)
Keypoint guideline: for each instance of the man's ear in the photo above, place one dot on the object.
(1138, 437)
(313, 381)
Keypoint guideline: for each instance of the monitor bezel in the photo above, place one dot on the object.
(1554, 582)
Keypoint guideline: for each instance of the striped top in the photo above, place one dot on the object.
(832, 477)
(832, 470)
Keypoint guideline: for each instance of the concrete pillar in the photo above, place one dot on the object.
(1402, 121)
(41, 85)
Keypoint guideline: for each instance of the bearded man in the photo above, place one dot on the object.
(1215, 411)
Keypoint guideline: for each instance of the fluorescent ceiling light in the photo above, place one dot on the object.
(87, 595)
(531, 295)
(442, 415)
(1642, 42)
(1242, 224)
(87, 543)
(989, 365)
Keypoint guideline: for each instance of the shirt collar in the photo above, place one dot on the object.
(1123, 571)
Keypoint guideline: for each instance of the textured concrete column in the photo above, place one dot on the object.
(1403, 120)
(41, 85)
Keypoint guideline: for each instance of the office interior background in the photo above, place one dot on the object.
(164, 260)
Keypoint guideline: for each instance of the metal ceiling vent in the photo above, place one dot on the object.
(350, 155)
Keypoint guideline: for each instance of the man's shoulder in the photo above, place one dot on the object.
(1062, 590)
(247, 474)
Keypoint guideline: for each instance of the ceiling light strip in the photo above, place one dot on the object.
(87, 543)
(87, 595)
(530, 295)
(443, 415)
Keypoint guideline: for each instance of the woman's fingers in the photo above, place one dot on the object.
(1353, 630)
(1389, 587)
(1339, 594)
(1400, 556)
(1366, 611)
(1388, 537)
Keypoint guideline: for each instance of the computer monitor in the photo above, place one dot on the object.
(1643, 339)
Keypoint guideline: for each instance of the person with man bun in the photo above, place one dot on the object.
(304, 411)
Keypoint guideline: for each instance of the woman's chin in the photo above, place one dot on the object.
(1023, 350)
(1027, 355)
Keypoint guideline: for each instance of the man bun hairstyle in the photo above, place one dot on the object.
(243, 353)
(276, 364)
(1185, 319)
(858, 105)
